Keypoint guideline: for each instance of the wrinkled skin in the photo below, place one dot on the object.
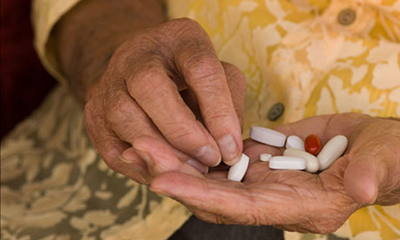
(368, 173)
(167, 83)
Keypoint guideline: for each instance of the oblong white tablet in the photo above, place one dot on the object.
(265, 157)
(288, 163)
(237, 171)
(332, 150)
(267, 136)
(312, 163)
(295, 142)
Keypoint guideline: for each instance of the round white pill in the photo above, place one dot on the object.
(295, 142)
(237, 171)
(287, 163)
(332, 150)
(267, 136)
(265, 157)
(312, 163)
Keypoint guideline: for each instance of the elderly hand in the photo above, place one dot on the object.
(367, 174)
(167, 83)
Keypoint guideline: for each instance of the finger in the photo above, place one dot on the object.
(361, 181)
(160, 158)
(157, 95)
(372, 175)
(135, 162)
(369, 176)
(237, 87)
(205, 76)
(128, 120)
(110, 147)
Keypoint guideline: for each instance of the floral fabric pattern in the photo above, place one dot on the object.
(301, 53)
(55, 186)
(315, 57)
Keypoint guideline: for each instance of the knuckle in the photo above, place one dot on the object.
(183, 134)
(146, 79)
(179, 131)
(118, 111)
(183, 24)
(201, 66)
(185, 20)
(217, 115)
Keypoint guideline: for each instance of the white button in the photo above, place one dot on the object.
(295, 142)
(237, 171)
(332, 150)
(288, 163)
(268, 136)
(312, 163)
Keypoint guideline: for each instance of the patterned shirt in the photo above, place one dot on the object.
(314, 57)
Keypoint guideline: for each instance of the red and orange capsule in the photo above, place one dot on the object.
(312, 144)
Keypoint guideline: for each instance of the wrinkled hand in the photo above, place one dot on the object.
(368, 173)
(167, 83)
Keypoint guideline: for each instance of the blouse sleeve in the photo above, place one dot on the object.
(45, 15)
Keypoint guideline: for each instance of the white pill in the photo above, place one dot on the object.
(312, 163)
(288, 163)
(332, 150)
(265, 157)
(295, 142)
(237, 171)
(267, 136)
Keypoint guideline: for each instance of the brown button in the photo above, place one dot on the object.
(276, 111)
(347, 16)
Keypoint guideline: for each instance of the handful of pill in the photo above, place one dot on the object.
(308, 155)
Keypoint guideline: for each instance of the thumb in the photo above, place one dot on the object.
(363, 177)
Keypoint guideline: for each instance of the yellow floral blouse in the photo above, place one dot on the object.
(315, 57)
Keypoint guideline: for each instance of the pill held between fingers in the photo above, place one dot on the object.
(332, 150)
(312, 144)
(287, 163)
(295, 142)
(312, 163)
(267, 136)
(265, 157)
(237, 171)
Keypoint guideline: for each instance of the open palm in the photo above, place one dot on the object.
(296, 200)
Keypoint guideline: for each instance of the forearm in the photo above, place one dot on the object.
(88, 35)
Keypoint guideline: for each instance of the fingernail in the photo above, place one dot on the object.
(134, 166)
(125, 160)
(198, 166)
(128, 156)
(229, 149)
(145, 156)
(208, 155)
